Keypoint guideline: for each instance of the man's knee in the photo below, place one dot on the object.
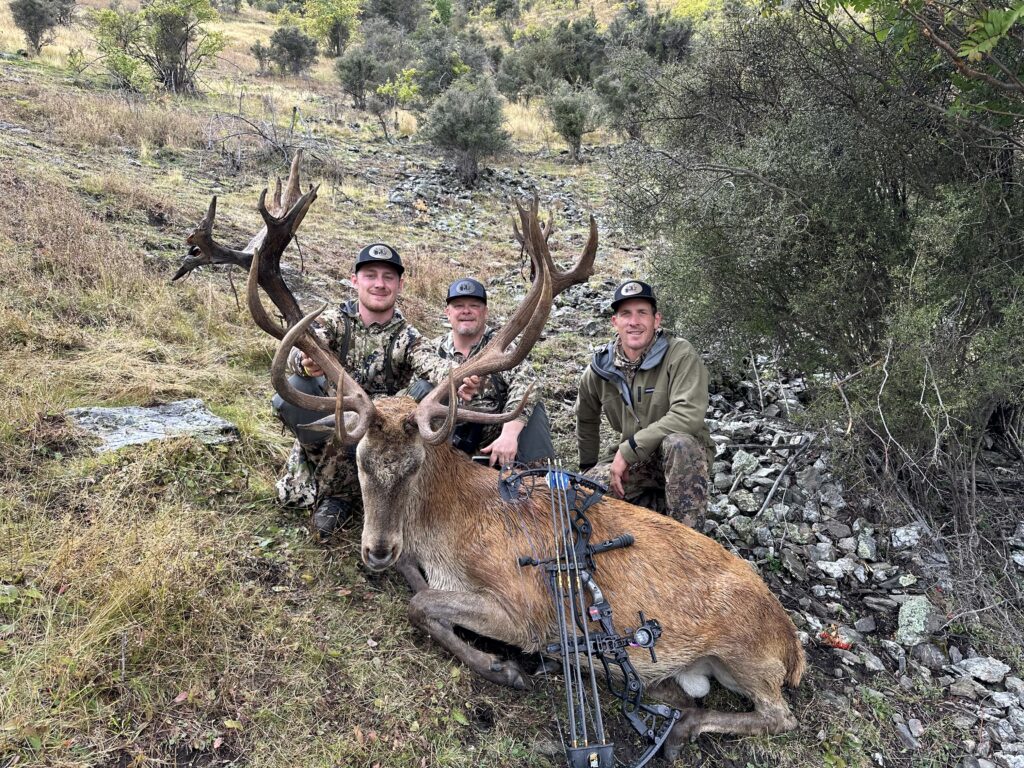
(296, 418)
(535, 440)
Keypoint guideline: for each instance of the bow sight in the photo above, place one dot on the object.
(586, 630)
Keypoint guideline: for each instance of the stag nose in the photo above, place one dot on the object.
(380, 557)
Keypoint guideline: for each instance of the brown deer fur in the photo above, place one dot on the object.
(431, 505)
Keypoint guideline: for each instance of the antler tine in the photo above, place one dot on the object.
(359, 401)
(527, 321)
(206, 250)
(256, 308)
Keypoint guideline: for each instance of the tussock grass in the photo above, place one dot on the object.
(529, 126)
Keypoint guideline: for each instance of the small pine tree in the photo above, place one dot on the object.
(466, 123)
(262, 55)
(38, 18)
(292, 50)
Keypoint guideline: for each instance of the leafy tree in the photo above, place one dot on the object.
(262, 54)
(292, 50)
(574, 112)
(403, 13)
(628, 90)
(165, 41)
(442, 13)
(380, 57)
(466, 123)
(577, 50)
(398, 91)
(38, 18)
(522, 73)
(444, 56)
(662, 36)
(332, 22)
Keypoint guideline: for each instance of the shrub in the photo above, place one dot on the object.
(331, 22)
(262, 54)
(382, 55)
(38, 18)
(574, 112)
(166, 42)
(466, 123)
(292, 50)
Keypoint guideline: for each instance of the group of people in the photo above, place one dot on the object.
(652, 388)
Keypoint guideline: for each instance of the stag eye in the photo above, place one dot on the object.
(409, 425)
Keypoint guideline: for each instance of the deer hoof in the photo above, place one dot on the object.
(508, 673)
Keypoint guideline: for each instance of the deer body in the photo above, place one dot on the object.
(433, 506)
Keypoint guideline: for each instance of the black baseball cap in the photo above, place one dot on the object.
(467, 288)
(379, 253)
(634, 289)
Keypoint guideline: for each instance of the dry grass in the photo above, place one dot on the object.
(529, 126)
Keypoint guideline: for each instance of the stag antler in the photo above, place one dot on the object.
(281, 220)
(528, 320)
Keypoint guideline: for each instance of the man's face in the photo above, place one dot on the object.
(468, 317)
(635, 321)
(377, 286)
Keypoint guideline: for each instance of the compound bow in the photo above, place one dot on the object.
(570, 573)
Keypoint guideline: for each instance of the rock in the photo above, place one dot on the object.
(809, 478)
(832, 496)
(743, 525)
(907, 737)
(986, 669)
(848, 545)
(723, 481)
(744, 463)
(1018, 559)
(135, 425)
(821, 551)
(1008, 760)
(867, 624)
(872, 663)
(833, 529)
(968, 687)
(844, 566)
(916, 621)
(955, 657)
(792, 563)
(1014, 684)
(965, 721)
(908, 536)
(867, 547)
(878, 603)
(929, 655)
(744, 500)
(916, 728)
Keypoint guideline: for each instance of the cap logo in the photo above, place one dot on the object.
(631, 289)
(464, 287)
(380, 252)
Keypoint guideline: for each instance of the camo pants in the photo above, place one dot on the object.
(673, 480)
(314, 472)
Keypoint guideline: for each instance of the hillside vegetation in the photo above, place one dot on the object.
(157, 607)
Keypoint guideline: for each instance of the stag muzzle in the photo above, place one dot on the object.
(381, 556)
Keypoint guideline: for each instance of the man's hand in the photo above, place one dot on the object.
(469, 388)
(618, 475)
(503, 450)
(309, 366)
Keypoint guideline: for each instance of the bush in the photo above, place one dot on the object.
(262, 54)
(382, 55)
(38, 18)
(166, 42)
(466, 123)
(574, 112)
(406, 14)
(292, 50)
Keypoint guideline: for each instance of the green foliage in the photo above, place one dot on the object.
(165, 43)
(331, 22)
(406, 14)
(662, 36)
(38, 18)
(383, 53)
(821, 213)
(466, 123)
(292, 50)
(444, 56)
(442, 13)
(262, 54)
(628, 90)
(574, 112)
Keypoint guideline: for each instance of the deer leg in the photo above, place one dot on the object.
(767, 717)
(438, 612)
(412, 573)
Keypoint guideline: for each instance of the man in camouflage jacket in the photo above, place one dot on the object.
(527, 437)
(374, 343)
(653, 389)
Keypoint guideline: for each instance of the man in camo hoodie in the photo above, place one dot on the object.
(653, 390)
(374, 343)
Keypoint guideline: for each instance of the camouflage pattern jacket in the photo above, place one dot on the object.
(667, 395)
(378, 356)
(503, 391)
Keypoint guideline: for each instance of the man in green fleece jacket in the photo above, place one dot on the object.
(653, 389)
